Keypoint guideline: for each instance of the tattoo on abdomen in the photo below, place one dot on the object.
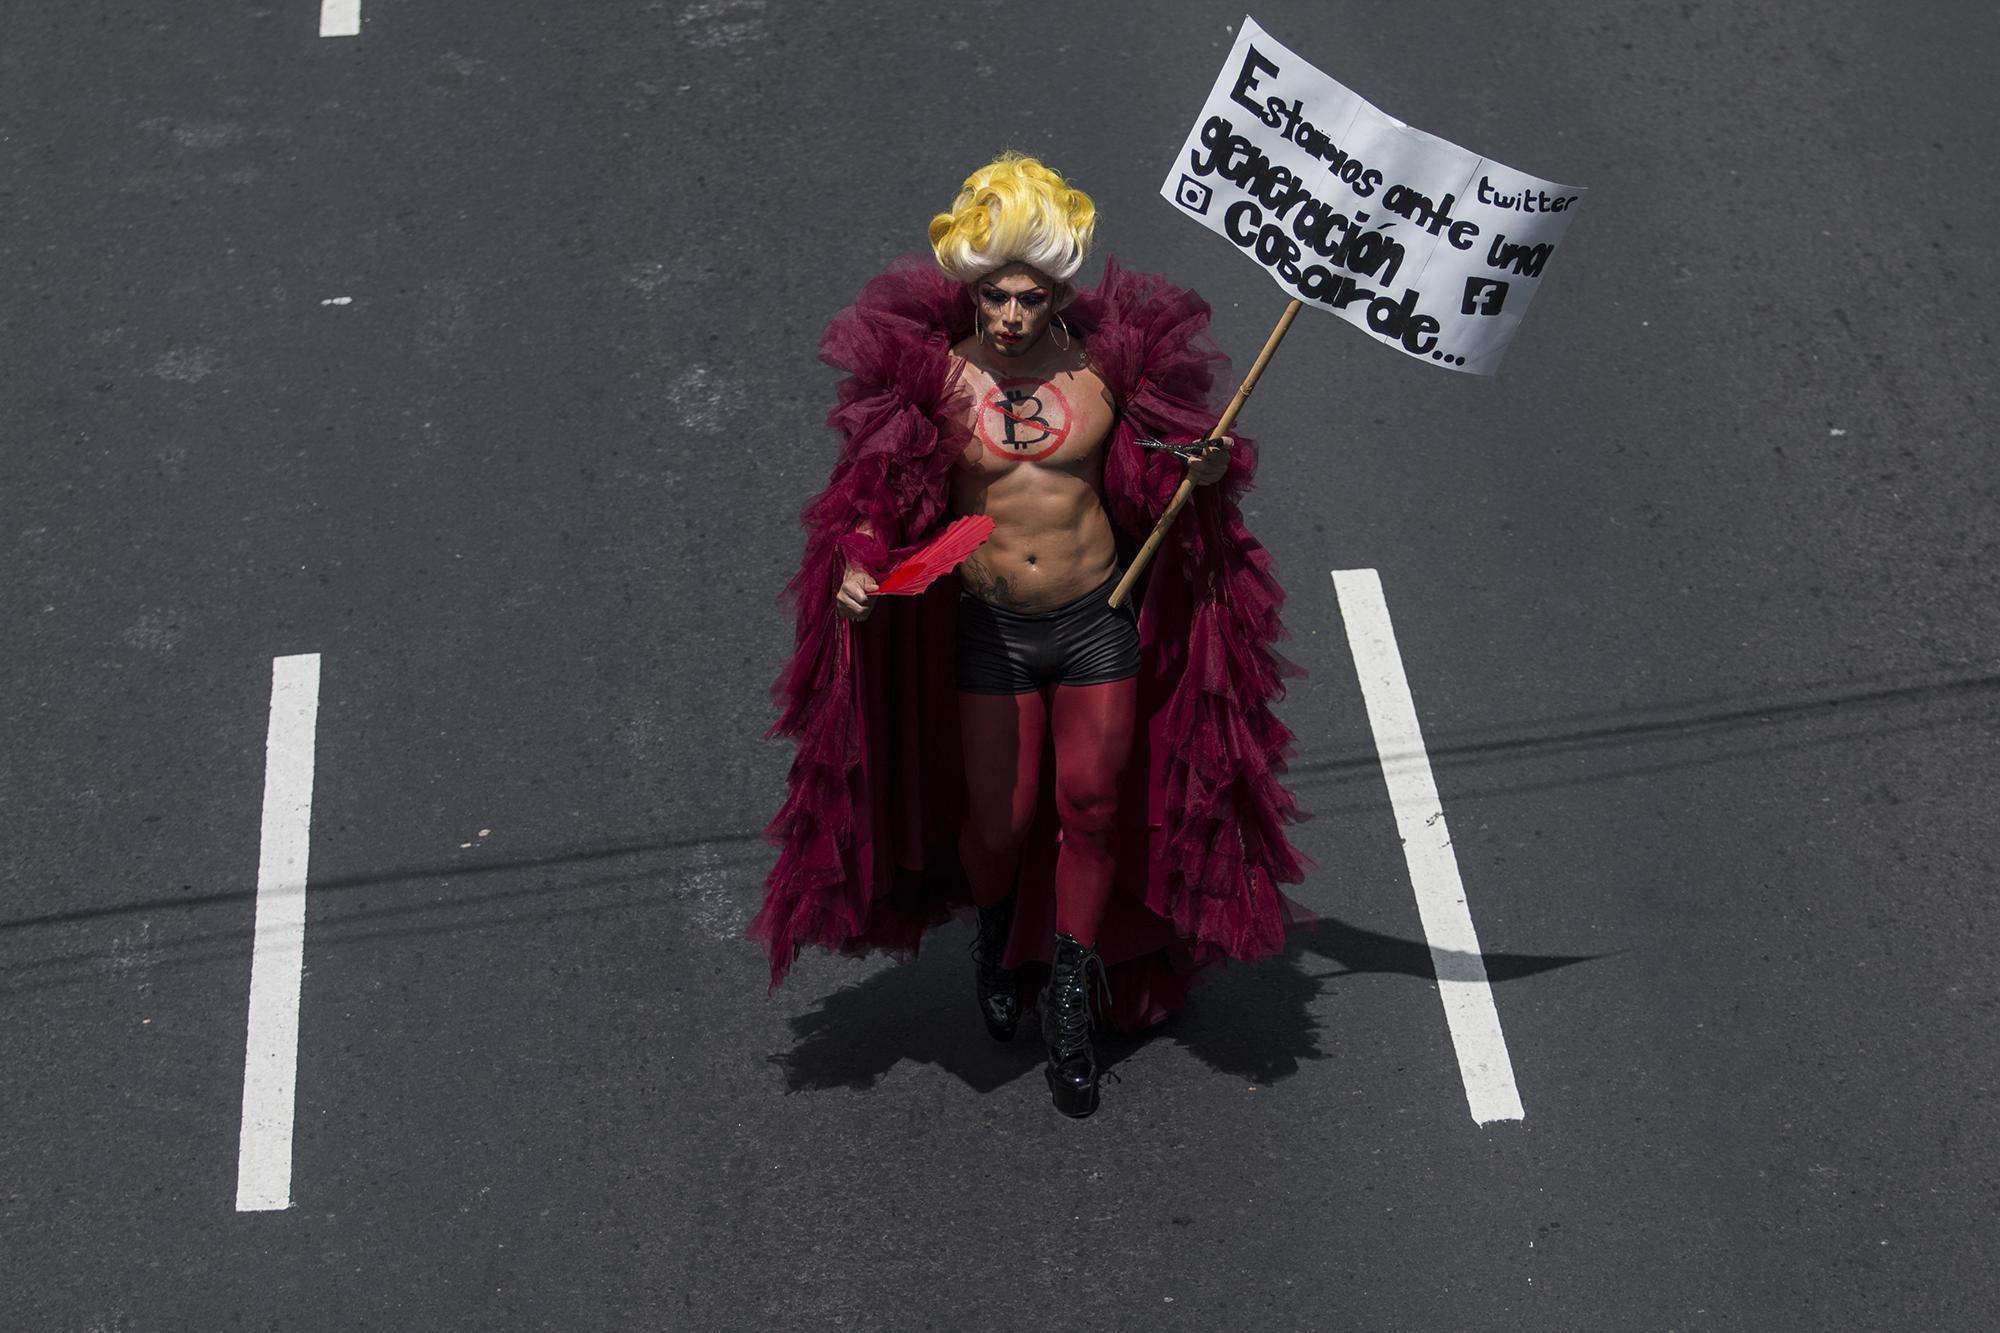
(988, 587)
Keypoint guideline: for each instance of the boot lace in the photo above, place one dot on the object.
(1074, 1009)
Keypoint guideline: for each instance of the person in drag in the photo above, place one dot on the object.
(1099, 783)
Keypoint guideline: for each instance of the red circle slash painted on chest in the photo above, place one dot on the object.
(1023, 420)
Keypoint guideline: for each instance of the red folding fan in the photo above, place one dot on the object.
(944, 554)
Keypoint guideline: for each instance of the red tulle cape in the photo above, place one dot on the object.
(868, 831)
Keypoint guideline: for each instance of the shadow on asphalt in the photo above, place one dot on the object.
(1659, 738)
(1246, 1020)
(1254, 1021)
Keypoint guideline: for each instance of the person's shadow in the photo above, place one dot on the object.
(1254, 1021)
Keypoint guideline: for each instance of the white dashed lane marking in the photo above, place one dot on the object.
(277, 957)
(1483, 1062)
(340, 18)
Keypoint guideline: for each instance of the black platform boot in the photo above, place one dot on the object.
(1066, 1025)
(998, 988)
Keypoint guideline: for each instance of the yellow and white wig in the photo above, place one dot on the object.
(1014, 210)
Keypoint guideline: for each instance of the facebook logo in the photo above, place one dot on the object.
(1192, 195)
(1483, 296)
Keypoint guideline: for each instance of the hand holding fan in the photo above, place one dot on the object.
(944, 554)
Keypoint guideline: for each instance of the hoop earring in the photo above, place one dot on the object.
(1062, 343)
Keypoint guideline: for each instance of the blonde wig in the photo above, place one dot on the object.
(1012, 210)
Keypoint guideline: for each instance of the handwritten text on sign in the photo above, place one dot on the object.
(1432, 249)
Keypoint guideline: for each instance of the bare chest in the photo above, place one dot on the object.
(1056, 422)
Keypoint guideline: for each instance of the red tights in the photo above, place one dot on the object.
(1004, 733)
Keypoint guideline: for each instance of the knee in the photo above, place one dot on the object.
(1090, 814)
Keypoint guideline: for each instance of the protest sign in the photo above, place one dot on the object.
(1426, 246)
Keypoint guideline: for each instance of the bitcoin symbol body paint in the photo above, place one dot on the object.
(1023, 419)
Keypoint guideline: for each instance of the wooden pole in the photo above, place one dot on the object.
(1124, 588)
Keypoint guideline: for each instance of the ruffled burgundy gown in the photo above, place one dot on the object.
(868, 832)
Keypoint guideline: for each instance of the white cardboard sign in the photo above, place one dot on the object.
(1425, 246)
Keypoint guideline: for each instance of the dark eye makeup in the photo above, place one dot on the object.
(993, 296)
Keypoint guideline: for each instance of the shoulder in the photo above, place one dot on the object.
(1137, 325)
(1125, 301)
(894, 342)
(908, 306)
(1081, 369)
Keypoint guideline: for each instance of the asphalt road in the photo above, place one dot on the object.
(1697, 601)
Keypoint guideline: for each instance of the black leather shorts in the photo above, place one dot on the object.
(1084, 642)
